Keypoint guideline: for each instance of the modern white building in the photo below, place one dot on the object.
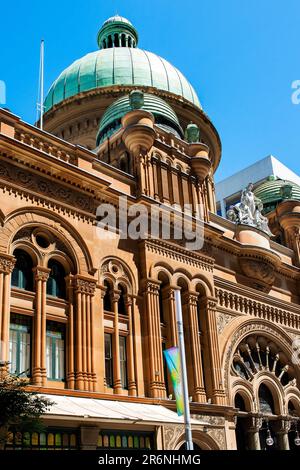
(228, 191)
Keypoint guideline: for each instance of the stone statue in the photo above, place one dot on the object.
(248, 211)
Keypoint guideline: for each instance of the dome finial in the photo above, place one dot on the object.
(117, 31)
(136, 99)
(192, 133)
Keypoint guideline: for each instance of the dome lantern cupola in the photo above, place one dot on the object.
(117, 31)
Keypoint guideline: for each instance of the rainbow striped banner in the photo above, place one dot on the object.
(172, 357)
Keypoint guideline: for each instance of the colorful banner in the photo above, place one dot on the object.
(172, 357)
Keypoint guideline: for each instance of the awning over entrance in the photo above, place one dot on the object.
(77, 407)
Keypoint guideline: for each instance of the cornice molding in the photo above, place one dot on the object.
(172, 251)
(247, 301)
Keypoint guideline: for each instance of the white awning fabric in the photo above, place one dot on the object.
(93, 408)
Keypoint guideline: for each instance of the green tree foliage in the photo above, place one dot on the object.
(20, 408)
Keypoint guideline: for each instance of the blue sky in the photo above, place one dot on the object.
(241, 56)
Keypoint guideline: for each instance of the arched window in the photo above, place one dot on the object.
(22, 275)
(56, 285)
(109, 42)
(122, 301)
(123, 40)
(107, 301)
(239, 402)
(266, 402)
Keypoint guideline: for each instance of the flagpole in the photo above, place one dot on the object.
(186, 403)
(42, 85)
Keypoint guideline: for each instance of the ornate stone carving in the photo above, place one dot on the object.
(171, 435)
(27, 180)
(212, 420)
(247, 306)
(84, 286)
(248, 211)
(242, 332)
(256, 423)
(115, 269)
(7, 264)
(41, 273)
(260, 266)
(218, 435)
(164, 249)
(222, 320)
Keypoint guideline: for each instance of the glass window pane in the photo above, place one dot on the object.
(123, 361)
(108, 360)
(20, 344)
(55, 351)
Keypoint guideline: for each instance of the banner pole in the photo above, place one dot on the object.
(186, 403)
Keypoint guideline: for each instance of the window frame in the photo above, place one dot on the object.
(24, 325)
(52, 331)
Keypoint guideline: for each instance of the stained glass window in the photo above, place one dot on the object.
(125, 439)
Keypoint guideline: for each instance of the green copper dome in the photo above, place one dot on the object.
(273, 191)
(119, 62)
(115, 19)
(162, 112)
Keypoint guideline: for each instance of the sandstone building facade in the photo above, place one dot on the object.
(87, 317)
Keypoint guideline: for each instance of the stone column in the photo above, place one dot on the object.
(84, 288)
(152, 318)
(88, 437)
(39, 371)
(192, 336)
(7, 263)
(116, 345)
(132, 391)
(70, 375)
(213, 351)
(282, 428)
(253, 433)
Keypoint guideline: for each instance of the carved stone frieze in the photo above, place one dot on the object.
(164, 249)
(249, 306)
(48, 188)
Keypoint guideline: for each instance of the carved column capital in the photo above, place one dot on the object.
(115, 296)
(152, 286)
(283, 426)
(255, 423)
(191, 298)
(209, 302)
(7, 263)
(41, 273)
(84, 285)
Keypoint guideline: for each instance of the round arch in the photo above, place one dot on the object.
(29, 217)
(253, 326)
(202, 439)
(119, 273)
(245, 390)
(275, 390)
